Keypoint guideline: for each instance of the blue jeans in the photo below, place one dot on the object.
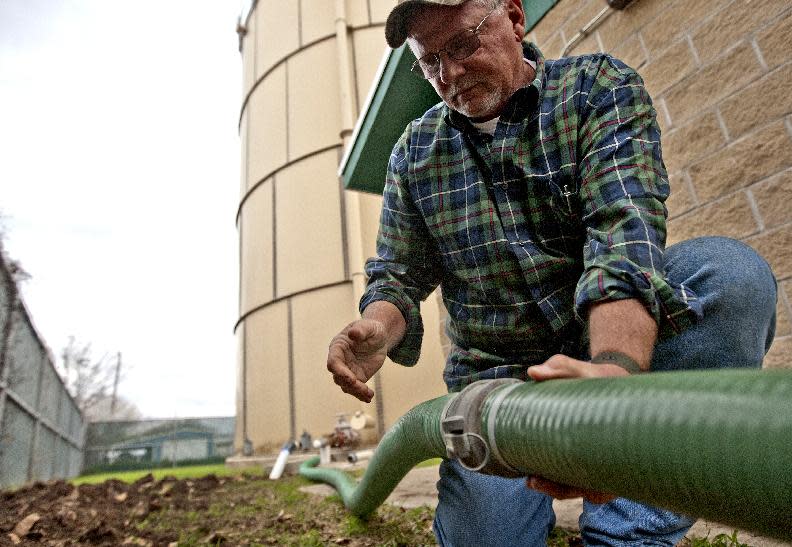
(738, 295)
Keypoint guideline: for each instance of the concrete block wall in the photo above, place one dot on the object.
(718, 72)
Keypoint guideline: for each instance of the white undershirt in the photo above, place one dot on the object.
(490, 125)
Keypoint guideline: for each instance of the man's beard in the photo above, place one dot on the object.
(486, 105)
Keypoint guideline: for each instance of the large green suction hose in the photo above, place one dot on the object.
(711, 444)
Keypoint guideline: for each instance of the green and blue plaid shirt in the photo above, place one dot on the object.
(524, 230)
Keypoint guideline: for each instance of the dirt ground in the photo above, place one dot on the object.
(245, 510)
(240, 510)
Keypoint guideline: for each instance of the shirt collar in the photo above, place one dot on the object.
(516, 109)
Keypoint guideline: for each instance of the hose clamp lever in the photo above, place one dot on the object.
(460, 424)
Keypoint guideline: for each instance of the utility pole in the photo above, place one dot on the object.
(115, 385)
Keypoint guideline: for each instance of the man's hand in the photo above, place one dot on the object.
(561, 366)
(356, 354)
(564, 492)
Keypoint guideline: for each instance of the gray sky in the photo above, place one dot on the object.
(119, 181)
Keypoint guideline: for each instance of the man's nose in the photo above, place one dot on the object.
(450, 69)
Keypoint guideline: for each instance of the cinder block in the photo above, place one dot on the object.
(676, 21)
(742, 17)
(730, 217)
(663, 119)
(783, 320)
(761, 102)
(698, 138)
(589, 44)
(615, 30)
(630, 51)
(585, 12)
(773, 198)
(780, 354)
(773, 42)
(553, 48)
(712, 83)
(554, 20)
(680, 200)
(668, 68)
(776, 247)
(756, 156)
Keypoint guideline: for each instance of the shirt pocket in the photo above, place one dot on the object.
(558, 220)
(564, 199)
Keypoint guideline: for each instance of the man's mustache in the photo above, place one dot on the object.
(463, 85)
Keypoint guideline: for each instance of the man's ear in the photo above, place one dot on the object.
(514, 10)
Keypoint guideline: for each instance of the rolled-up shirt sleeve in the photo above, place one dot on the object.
(623, 187)
(406, 269)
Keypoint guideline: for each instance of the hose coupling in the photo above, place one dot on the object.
(460, 423)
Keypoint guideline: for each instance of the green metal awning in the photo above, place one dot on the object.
(396, 98)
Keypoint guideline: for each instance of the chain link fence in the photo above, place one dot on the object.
(41, 428)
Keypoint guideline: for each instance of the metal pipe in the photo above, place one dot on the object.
(280, 462)
(353, 217)
(600, 18)
(606, 12)
(359, 456)
(344, 71)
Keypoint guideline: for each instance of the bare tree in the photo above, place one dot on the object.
(12, 274)
(104, 410)
(92, 383)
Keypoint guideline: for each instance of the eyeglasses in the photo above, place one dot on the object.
(460, 46)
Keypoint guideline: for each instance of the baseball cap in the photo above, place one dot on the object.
(398, 21)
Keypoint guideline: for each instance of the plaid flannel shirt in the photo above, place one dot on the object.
(525, 230)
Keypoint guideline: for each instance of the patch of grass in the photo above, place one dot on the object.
(721, 540)
(288, 490)
(312, 538)
(191, 472)
(563, 538)
(430, 463)
(353, 526)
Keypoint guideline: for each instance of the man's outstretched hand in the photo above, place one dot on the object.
(561, 366)
(356, 354)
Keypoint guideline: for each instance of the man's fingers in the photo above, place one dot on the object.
(336, 363)
(364, 329)
(563, 491)
(357, 388)
(558, 366)
(551, 488)
(599, 497)
(344, 377)
(561, 366)
(352, 357)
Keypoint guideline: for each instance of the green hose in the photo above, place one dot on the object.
(414, 438)
(711, 444)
